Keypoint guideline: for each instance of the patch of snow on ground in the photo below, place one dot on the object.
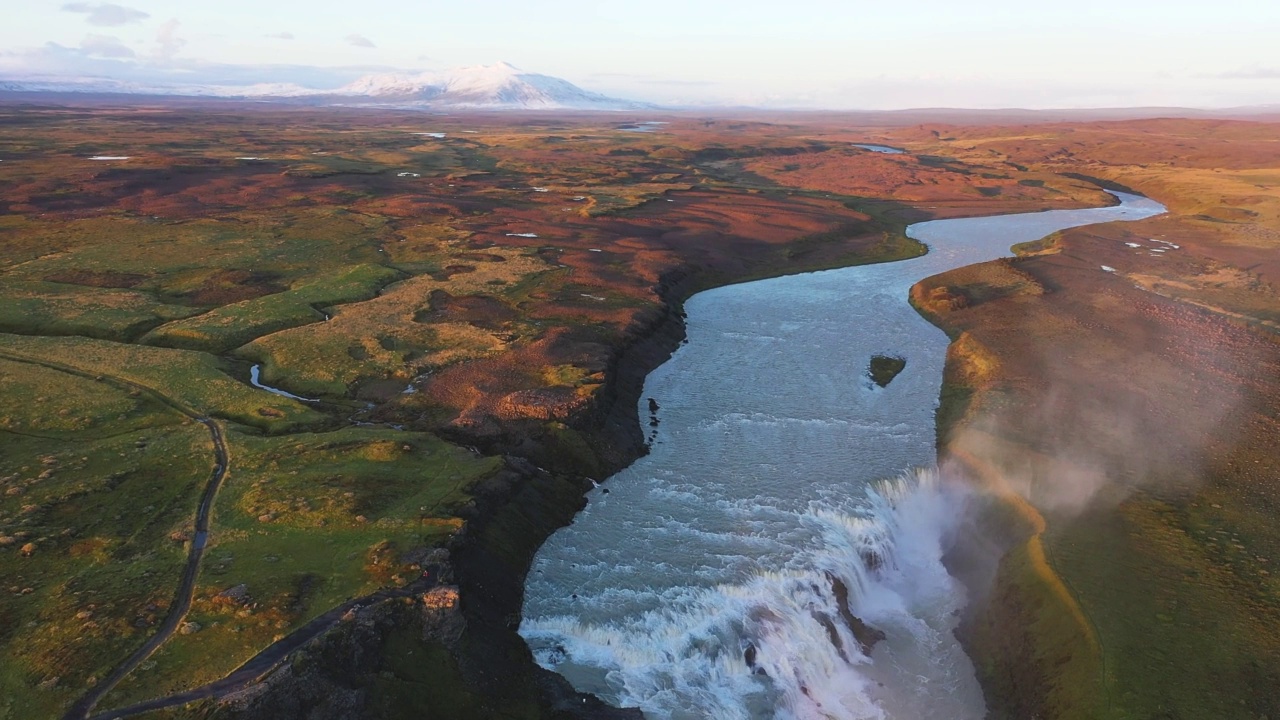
(540, 189)
(111, 157)
(436, 135)
(408, 174)
(594, 250)
(1134, 244)
(1108, 268)
(530, 235)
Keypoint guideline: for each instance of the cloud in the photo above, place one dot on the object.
(679, 83)
(105, 46)
(53, 62)
(1252, 73)
(106, 14)
(360, 41)
(168, 40)
(648, 79)
(281, 36)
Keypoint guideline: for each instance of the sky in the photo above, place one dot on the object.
(779, 53)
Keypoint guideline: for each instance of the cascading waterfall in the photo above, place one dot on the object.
(785, 639)
(758, 563)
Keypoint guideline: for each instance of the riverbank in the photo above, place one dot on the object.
(1153, 526)
(1022, 627)
(1128, 409)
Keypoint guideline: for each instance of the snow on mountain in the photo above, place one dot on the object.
(481, 86)
(500, 86)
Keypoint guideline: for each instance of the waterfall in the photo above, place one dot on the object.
(783, 642)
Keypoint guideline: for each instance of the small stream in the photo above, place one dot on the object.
(784, 495)
(255, 379)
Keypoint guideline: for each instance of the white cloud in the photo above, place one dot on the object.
(360, 41)
(281, 36)
(106, 14)
(1256, 72)
(105, 46)
(168, 41)
(52, 62)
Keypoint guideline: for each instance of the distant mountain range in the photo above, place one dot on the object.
(500, 86)
(505, 87)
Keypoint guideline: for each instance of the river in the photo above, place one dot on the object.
(784, 491)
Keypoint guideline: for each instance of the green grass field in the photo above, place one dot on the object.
(230, 326)
(305, 522)
(195, 381)
(98, 491)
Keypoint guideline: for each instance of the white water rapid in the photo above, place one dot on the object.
(723, 575)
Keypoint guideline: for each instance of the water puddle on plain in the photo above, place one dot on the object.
(880, 149)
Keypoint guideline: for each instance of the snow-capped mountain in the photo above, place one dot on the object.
(500, 86)
(481, 86)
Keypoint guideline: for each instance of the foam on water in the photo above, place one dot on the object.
(723, 575)
(685, 653)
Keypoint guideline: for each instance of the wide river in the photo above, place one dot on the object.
(784, 492)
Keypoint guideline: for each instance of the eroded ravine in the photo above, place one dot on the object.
(728, 572)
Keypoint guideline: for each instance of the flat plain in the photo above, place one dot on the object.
(449, 301)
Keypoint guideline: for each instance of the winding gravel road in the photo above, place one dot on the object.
(186, 587)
